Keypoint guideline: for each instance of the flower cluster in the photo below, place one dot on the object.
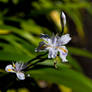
(54, 45)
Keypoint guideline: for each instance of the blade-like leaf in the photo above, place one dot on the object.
(67, 77)
(80, 52)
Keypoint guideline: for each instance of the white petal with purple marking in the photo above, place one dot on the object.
(63, 53)
(9, 68)
(20, 75)
(52, 53)
(65, 39)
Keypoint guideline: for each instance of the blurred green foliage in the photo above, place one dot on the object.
(21, 23)
(19, 90)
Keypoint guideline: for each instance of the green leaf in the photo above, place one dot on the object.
(59, 65)
(67, 77)
(22, 33)
(80, 52)
(74, 64)
(8, 56)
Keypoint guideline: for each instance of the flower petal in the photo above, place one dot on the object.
(42, 46)
(63, 53)
(52, 53)
(19, 66)
(53, 40)
(20, 75)
(46, 38)
(9, 68)
(64, 39)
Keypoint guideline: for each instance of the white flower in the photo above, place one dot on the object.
(54, 45)
(16, 68)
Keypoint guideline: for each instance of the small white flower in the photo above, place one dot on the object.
(54, 45)
(16, 68)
